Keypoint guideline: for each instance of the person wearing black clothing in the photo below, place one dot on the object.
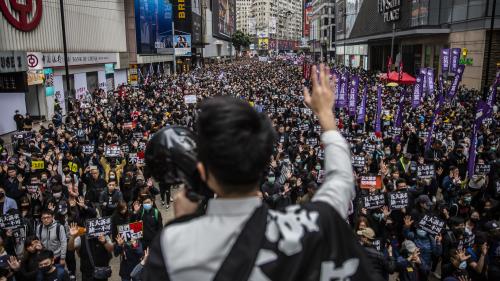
(27, 268)
(95, 185)
(48, 270)
(18, 118)
(381, 265)
(130, 254)
(13, 185)
(100, 249)
(120, 216)
(109, 198)
(27, 122)
(151, 219)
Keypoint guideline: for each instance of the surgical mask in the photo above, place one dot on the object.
(463, 265)
(421, 233)
(271, 180)
(387, 152)
(112, 177)
(57, 195)
(2, 194)
(378, 216)
(318, 167)
(147, 207)
(467, 199)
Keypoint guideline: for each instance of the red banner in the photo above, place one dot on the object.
(307, 17)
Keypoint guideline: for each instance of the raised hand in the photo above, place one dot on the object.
(408, 222)
(73, 229)
(119, 240)
(14, 264)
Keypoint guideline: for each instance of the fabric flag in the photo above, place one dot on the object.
(353, 95)
(430, 81)
(400, 75)
(445, 60)
(423, 73)
(493, 95)
(378, 129)
(362, 108)
(399, 114)
(482, 111)
(456, 82)
(389, 63)
(341, 100)
(441, 86)
(455, 58)
(417, 92)
(437, 112)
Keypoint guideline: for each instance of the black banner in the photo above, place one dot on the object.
(112, 151)
(374, 201)
(482, 169)
(182, 16)
(10, 221)
(398, 200)
(358, 162)
(425, 171)
(431, 224)
(98, 227)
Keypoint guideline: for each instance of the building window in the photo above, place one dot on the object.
(419, 12)
(459, 10)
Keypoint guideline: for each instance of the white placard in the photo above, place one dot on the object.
(189, 99)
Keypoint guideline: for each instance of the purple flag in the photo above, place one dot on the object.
(362, 108)
(455, 57)
(430, 81)
(445, 60)
(379, 109)
(399, 114)
(441, 86)
(353, 95)
(456, 82)
(482, 110)
(492, 97)
(417, 92)
(429, 133)
(341, 99)
(337, 86)
(423, 73)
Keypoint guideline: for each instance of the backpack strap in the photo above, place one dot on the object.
(240, 261)
(58, 229)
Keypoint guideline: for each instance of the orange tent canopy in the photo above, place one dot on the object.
(406, 78)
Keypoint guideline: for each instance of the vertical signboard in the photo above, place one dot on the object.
(196, 22)
(307, 17)
(153, 23)
(224, 18)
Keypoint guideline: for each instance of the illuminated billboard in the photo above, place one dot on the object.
(153, 22)
(224, 18)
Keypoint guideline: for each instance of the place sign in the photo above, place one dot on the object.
(390, 9)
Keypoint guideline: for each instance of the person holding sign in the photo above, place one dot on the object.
(130, 253)
(99, 248)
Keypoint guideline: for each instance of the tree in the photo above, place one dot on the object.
(240, 40)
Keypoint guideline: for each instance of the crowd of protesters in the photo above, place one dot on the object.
(90, 164)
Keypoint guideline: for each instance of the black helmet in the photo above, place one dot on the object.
(171, 157)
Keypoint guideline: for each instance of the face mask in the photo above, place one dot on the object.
(111, 177)
(318, 168)
(57, 195)
(44, 180)
(147, 207)
(387, 152)
(378, 216)
(421, 233)
(463, 265)
(45, 269)
(271, 180)
(467, 200)
(2, 195)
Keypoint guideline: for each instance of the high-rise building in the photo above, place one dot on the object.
(273, 19)
(322, 33)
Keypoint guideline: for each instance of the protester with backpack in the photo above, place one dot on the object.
(53, 236)
(151, 219)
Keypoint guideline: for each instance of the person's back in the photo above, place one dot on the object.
(302, 242)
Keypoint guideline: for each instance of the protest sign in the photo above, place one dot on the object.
(482, 169)
(88, 149)
(125, 148)
(128, 125)
(312, 141)
(373, 201)
(358, 161)
(134, 158)
(321, 176)
(131, 231)
(317, 129)
(376, 244)
(423, 134)
(394, 131)
(37, 165)
(32, 188)
(431, 224)
(137, 135)
(425, 171)
(97, 227)
(10, 221)
(371, 181)
(369, 148)
(307, 111)
(188, 99)
(112, 151)
(280, 110)
(398, 200)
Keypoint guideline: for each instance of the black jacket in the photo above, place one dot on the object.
(381, 266)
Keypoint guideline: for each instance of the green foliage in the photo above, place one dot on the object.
(240, 40)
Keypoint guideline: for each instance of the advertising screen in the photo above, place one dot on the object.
(307, 17)
(182, 44)
(153, 26)
(224, 18)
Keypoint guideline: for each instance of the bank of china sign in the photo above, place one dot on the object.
(390, 9)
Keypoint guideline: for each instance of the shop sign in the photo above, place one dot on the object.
(390, 9)
(57, 59)
(133, 75)
(109, 68)
(12, 62)
(35, 77)
(466, 61)
(22, 16)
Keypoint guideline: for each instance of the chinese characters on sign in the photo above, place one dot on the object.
(131, 231)
(373, 201)
(425, 171)
(431, 224)
(98, 227)
(112, 151)
(10, 221)
(398, 200)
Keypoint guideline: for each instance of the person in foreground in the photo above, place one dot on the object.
(239, 238)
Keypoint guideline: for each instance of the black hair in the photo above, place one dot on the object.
(29, 240)
(47, 212)
(234, 142)
(45, 254)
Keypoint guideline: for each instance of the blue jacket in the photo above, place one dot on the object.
(412, 272)
(428, 246)
(8, 204)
